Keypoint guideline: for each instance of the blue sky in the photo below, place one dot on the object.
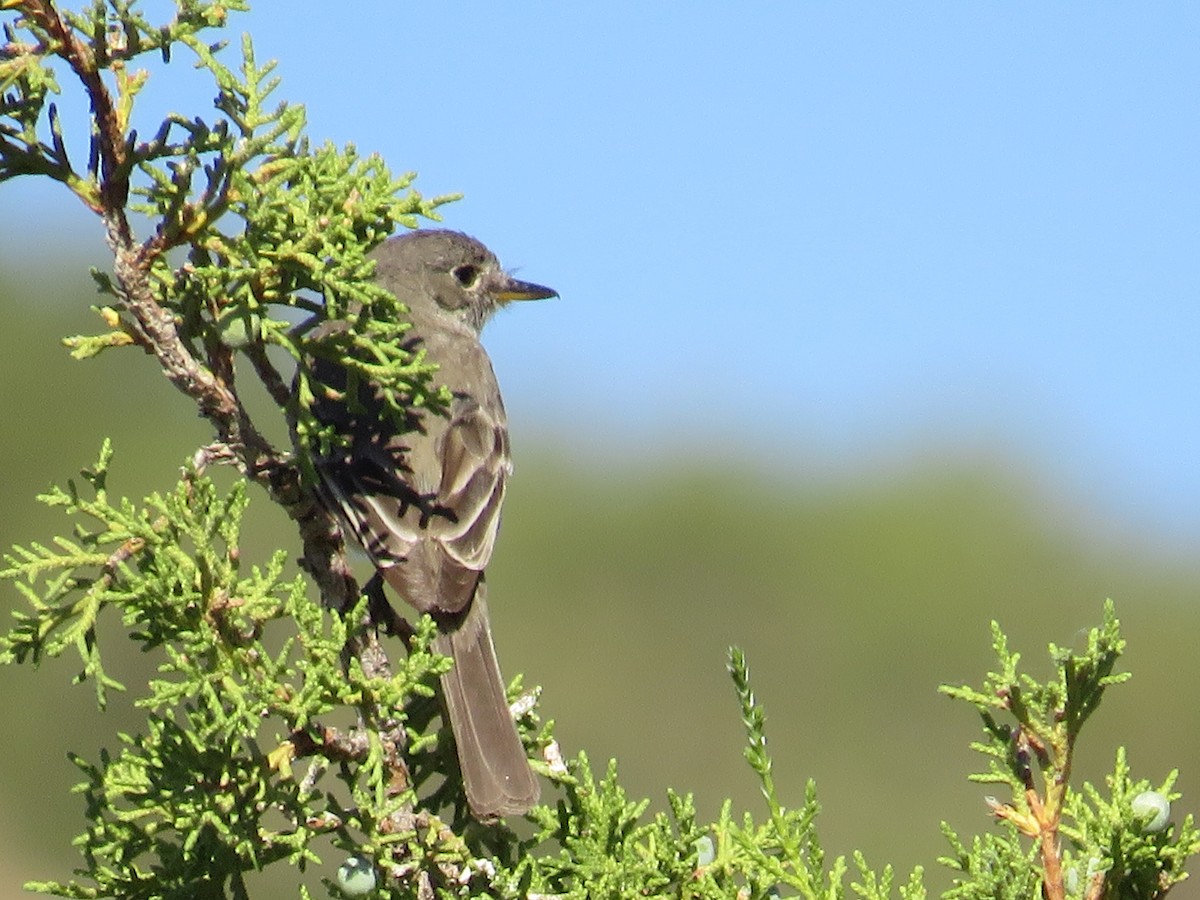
(844, 231)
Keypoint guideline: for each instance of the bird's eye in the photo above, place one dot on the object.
(466, 275)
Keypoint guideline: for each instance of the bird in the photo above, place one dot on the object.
(424, 500)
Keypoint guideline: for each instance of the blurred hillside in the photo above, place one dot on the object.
(619, 587)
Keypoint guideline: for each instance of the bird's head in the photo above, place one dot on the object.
(445, 273)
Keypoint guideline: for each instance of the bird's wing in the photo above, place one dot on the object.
(475, 465)
(425, 505)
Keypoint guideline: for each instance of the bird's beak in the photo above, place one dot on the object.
(512, 290)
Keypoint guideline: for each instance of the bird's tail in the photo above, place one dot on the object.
(495, 769)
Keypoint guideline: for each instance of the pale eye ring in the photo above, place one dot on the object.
(466, 275)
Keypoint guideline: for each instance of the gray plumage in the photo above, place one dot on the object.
(425, 503)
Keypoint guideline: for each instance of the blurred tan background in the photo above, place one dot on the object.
(618, 588)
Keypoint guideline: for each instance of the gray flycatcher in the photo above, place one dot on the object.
(425, 502)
